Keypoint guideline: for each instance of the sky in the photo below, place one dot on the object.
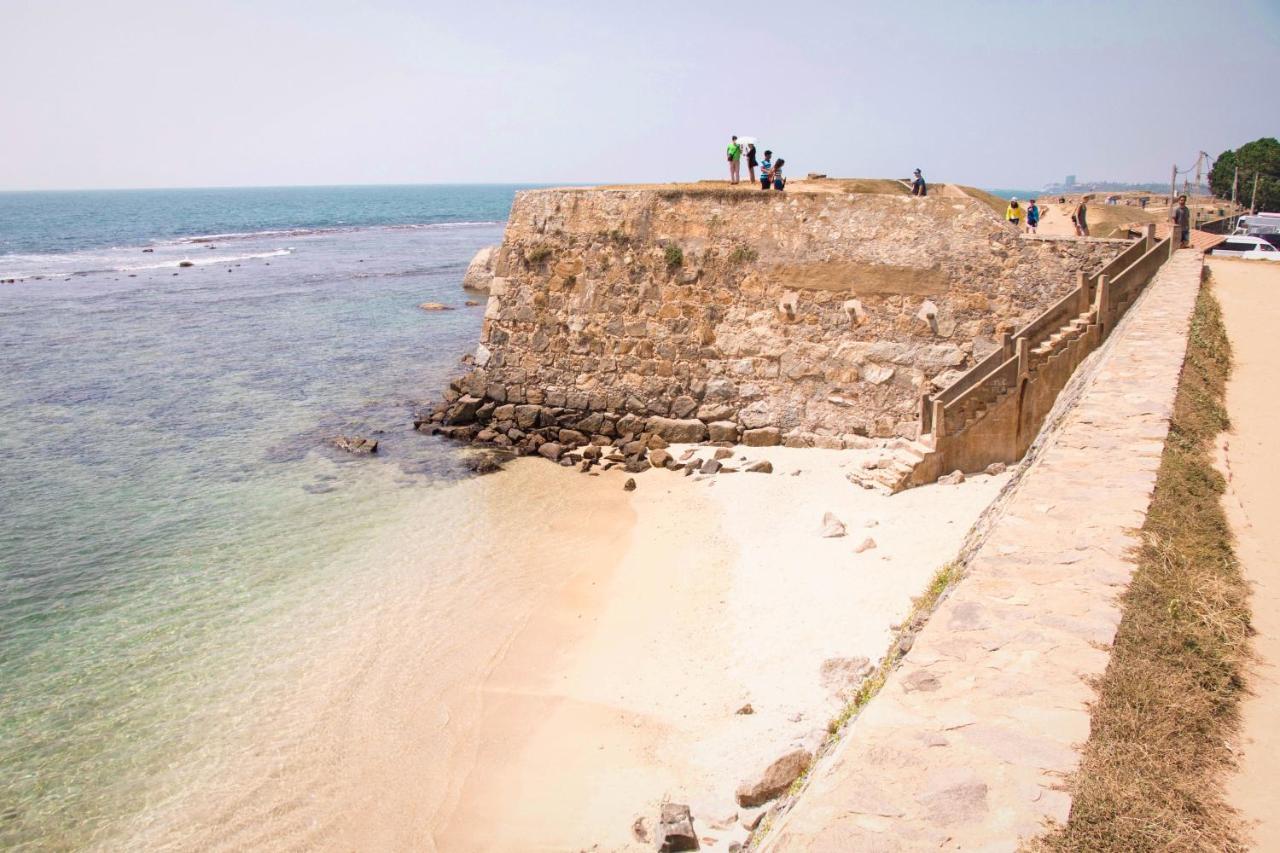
(170, 93)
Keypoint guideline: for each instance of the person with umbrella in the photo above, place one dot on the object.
(750, 142)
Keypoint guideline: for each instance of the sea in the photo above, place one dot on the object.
(176, 527)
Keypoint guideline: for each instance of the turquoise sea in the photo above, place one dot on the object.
(170, 501)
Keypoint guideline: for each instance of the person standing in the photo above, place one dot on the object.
(918, 186)
(1033, 216)
(751, 161)
(1182, 222)
(766, 170)
(779, 182)
(1081, 217)
(735, 157)
(1013, 213)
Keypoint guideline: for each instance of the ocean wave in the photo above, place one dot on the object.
(320, 229)
(77, 265)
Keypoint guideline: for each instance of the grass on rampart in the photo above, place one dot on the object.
(1153, 768)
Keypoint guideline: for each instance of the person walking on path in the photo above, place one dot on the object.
(918, 186)
(1182, 222)
(735, 156)
(1013, 213)
(751, 161)
(779, 182)
(766, 170)
(1033, 216)
(1081, 217)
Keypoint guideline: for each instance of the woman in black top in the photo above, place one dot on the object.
(751, 161)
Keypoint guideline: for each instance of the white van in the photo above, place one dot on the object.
(1252, 248)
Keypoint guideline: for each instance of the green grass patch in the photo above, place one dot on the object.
(674, 256)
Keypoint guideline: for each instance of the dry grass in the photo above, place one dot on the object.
(994, 202)
(1152, 771)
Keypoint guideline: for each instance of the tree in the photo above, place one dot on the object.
(1261, 158)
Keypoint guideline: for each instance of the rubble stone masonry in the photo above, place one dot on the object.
(816, 313)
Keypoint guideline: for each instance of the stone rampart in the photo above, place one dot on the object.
(816, 313)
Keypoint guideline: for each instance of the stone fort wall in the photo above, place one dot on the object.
(816, 313)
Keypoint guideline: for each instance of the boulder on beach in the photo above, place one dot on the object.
(479, 274)
(832, 526)
(355, 444)
(675, 829)
(774, 780)
(678, 430)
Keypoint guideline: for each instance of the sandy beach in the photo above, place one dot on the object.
(622, 691)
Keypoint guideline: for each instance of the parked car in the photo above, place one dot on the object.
(1238, 246)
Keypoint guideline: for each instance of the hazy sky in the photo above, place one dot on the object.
(161, 93)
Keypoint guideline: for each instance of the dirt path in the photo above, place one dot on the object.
(1249, 292)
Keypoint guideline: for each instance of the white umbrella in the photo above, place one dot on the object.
(746, 140)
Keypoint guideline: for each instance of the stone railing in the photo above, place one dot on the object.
(994, 411)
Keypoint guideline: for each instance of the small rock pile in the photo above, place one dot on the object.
(573, 437)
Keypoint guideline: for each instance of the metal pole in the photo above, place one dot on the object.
(1253, 202)
(1173, 186)
(1235, 182)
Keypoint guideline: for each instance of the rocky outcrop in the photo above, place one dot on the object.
(479, 274)
(822, 314)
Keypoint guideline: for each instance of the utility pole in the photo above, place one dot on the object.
(1235, 182)
(1253, 202)
(1173, 187)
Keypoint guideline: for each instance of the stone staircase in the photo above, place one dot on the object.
(973, 422)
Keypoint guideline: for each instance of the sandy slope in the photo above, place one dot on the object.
(1250, 295)
(622, 691)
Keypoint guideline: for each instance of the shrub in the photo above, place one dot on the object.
(675, 256)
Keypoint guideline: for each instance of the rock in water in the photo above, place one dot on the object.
(355, 444)
(774, 780)
(479, 274)
(186, 264)
(434, 306)
(630, 485)
(675, 829)
(832, 527)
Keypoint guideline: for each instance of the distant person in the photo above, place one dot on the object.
(779, 182)
(735, 156)
(1033, 216)
(1081, 217)
(766, 170)
(1013, 213)
(1182, 222)
(751, 161)
(918, 186)
(1142, 202)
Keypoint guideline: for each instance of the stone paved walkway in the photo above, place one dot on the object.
(966, 746)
